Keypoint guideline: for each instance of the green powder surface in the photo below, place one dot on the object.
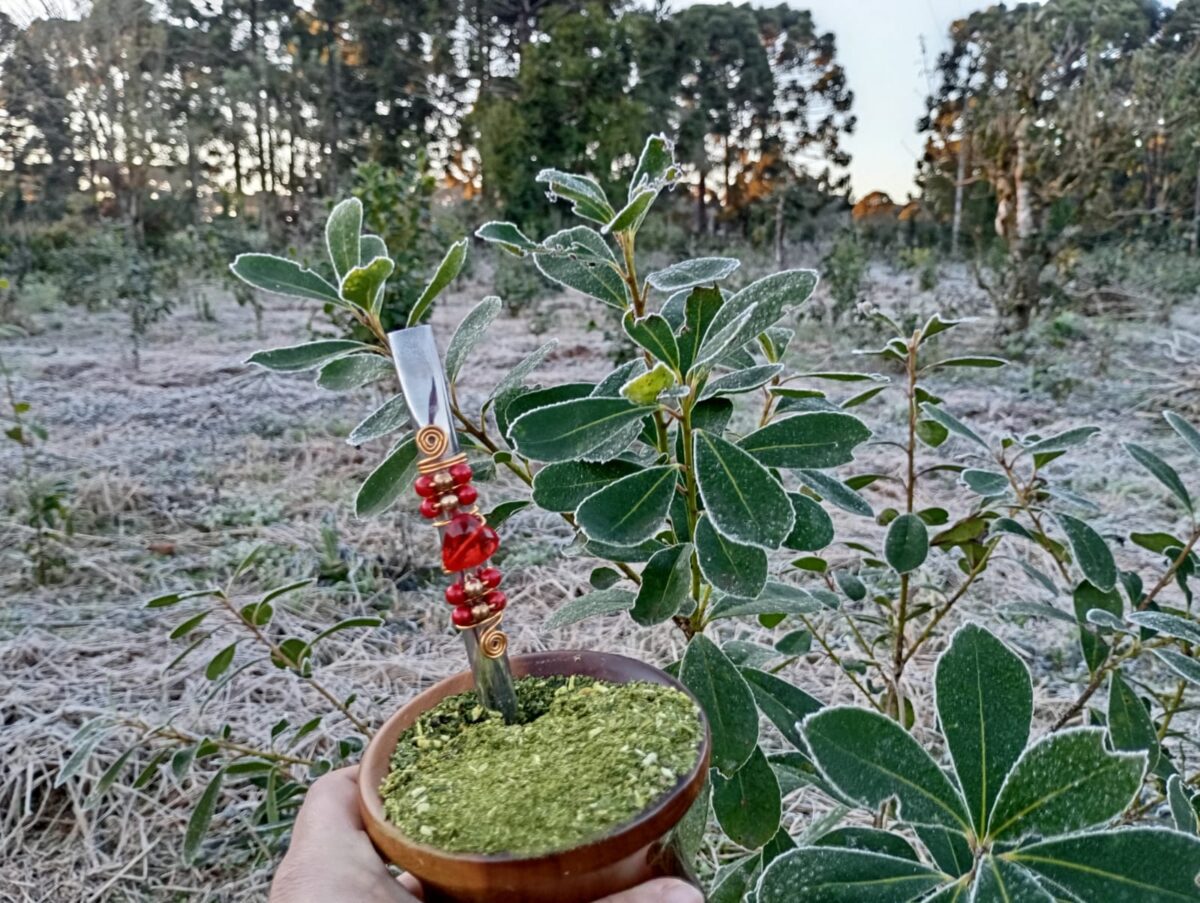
(586, 757)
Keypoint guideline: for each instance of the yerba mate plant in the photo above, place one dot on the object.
(702, 475)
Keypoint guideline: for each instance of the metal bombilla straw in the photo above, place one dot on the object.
(448, 498)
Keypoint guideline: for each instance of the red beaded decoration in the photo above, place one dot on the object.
(467, 542)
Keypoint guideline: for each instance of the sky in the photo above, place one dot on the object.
(879, 45)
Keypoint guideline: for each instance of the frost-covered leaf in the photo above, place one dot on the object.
(1129, 725)
(631, 509)
(507, 236)
(600, 602)
(1091, 552)
(807, 441)
(342, 236)
(733, 568)
(748, 804)
(907, 543)
(587, 197)
(985, 706)
(1161, 471)
(784, 705)
(389, 417)
(308, 356)
(468, 333)
(839, 875)
(282, 277)
(583, 261)
(653, 333)
(1065, 782)
(562, 486)
(446, 272)
(740, 495)
(354, 372)
(835, 492)
(740, 381)
(387, 482)
(363, 285)
(666, 581)
(813, 528)
(997, 880)
(871, 758)
(690, 273)
(726, 699)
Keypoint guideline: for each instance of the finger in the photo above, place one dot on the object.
(661, 890)
(412, 885)
(331, 804)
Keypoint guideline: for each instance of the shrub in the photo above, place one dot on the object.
(700, 475)
(845, 267)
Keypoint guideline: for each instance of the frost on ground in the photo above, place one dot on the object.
(179, 469)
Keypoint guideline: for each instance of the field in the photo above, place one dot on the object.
(178, 469)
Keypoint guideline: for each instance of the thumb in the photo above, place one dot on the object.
(660, 890)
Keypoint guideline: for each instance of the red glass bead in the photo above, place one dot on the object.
(430, 509)
(466, 542)
(461, 472)
(456, 594)
(424, 486)
(467, 494)
(490, 576)
(496, 600)
(462, 616)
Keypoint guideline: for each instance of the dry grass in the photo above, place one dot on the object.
(179, 469)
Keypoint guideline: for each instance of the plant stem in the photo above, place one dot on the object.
(950, 603)
(899, 659)
(833, 657)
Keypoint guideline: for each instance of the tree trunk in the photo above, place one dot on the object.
(1027, 252)
(701, 208)
(780, 253)
(331, 112)
(1196, 211)
(960, 179)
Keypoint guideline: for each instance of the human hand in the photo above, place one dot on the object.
(332, 860)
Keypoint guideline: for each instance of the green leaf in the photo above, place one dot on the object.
(1092, 554)
(835, 492)
(748, 804)
(363, 285)
(931, 433)
(907, 543)
(1171, 625)
(813, 528)
(727, 701)
(1065, 782)
(371, 246)
(589, 270)
(998, 880)
(776, 599)
(740, 381)
(84, 743)
(342, 231)
(985, 482)
(985, 706)
(387, 482)
(388, 418)
(107, 779)
(1087, 598)
(1185, 667)
(982, 361)
(953, 424)
(590, 605)
(507, 236)
(741, 497)
(1183, 811)
(1133, 865)
(872, 840)
(169, 599)
(186, 627)
(562, 486)
(520, 401)
(732, 568)
(587, 197)
(666, 581)
(647, 387)
(655, 167)
(446, 273)
(629, 218)
(346, 624)
(516, 375)
(766, 299)
(690, 273)
(283, 277)
(201, 818)
(837, 875)
(221, 661)
(797, 642)
(1186, 431)
(571, 429)
(1129, 724)
(1161, 471)
(653, 333)
(630, 509)
(308, 356)
(468, 333)
(784, 705)
(699, 308)
(870, 758)
(734, 883)
(1062, 441)
(354, 372)
(504, 510)
(950, 849)
(807, 441)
